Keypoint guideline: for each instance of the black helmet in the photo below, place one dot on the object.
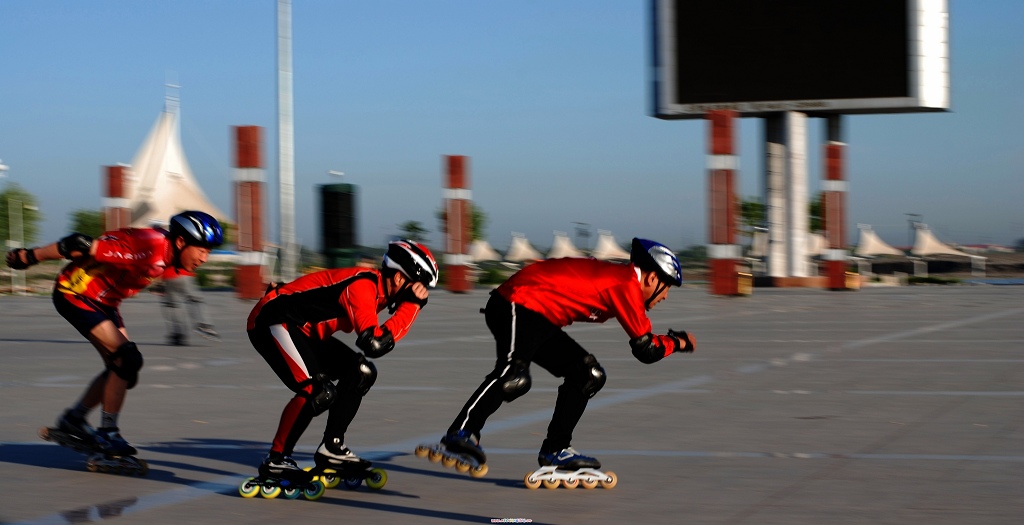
(197, 228)
(654, 256)
(414, 261)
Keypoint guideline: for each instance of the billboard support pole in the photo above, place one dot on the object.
(834, 209)
(723, 252)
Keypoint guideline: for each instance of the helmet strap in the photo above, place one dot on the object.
(657, 291)
(394, 297)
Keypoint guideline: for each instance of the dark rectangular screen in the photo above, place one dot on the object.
(772, 50)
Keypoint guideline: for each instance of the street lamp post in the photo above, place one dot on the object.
(912, 219)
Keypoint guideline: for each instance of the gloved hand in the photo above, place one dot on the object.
(17, 262)
(685, 342)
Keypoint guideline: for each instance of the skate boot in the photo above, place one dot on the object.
(207, 331)
(570, 469)
(279, 474)
(337, 464)
(76, 427)
(110, 442)
(459, 449)
(567, 459)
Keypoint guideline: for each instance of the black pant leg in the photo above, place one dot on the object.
(563, 357)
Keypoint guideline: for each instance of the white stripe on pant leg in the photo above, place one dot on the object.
(284, 342)
(508, 357)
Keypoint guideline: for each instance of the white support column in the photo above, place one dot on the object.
(797, 202)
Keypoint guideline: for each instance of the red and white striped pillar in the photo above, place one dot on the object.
(249, 177)
(458, 227)
(834, 208)
(723, 252)
(117, 212)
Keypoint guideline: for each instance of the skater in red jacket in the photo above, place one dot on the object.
(291, 327)
(526, 315)
(88, 293)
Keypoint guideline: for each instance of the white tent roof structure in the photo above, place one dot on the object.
(162, 184)
(520, 250)
(481, 250)
(870, 244)
(607, 249)
(925, 243)
(563, 247)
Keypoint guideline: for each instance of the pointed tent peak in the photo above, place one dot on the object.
(521, 251)
(161, 183)
(870, 244)
(563, 247)
(607, 249)
(481, 250)
(925, 243)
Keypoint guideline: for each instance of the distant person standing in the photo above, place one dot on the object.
(182, 303)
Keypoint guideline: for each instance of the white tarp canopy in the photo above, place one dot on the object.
(925, 243)
(607, 249)
(563, 247)
(161, 182)
(520, 250)
(870, 244)
(480, 250)
(816, 244)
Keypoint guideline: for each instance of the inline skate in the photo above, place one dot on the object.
(279, 475)
(459, 450)
(569, 469)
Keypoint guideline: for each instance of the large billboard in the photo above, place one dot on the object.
(814, 56)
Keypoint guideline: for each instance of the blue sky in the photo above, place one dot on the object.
(549, 98)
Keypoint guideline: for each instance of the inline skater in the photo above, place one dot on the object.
(526, 315)
(292, 327)
(88, 293)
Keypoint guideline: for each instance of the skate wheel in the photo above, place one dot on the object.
(290, 493)
(434, 456)
(352, 483)
(377, 479)
(249, 488)
(329, 480)
(550, 483)
(92, 467)
(421, 451)
(314, 491)
(531, 482)
(610, 480)
(462, 466)
(570, 483)
(588, 483)
(143, 468)
(478, 472)
(270, 492)
(449, 461)
(44, 433)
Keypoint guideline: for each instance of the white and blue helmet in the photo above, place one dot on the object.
(653, 256)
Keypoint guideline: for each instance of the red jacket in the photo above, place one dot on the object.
(574, 289)
(324, 302)
(126, 261)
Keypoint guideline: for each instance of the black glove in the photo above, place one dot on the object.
(683, 342)
(15, 261)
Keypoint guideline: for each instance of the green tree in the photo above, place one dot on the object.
(478, 218)
(14, 199)
(816, 214)
(752, 215)
(89, 222)
(413, 231)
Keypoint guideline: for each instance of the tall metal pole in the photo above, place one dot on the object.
(286, 140)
